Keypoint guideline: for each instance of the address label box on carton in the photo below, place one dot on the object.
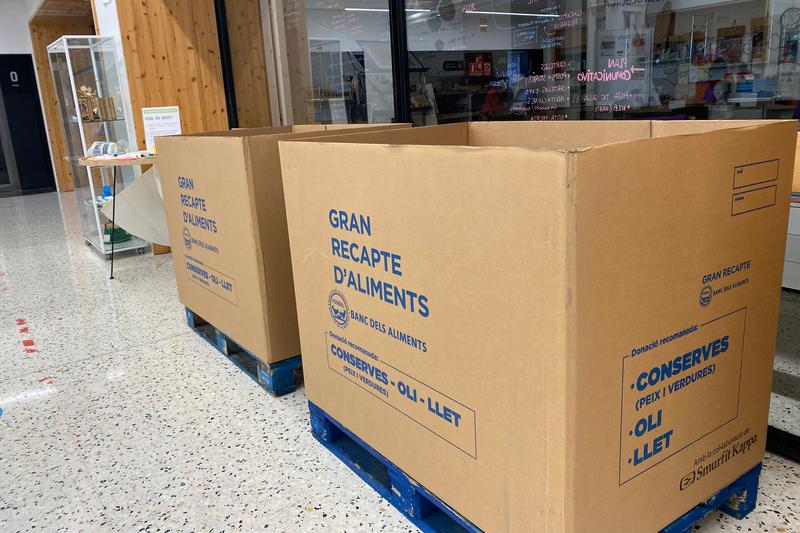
(755, 173)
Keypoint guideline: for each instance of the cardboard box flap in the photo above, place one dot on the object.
(568, 136)
(447, 135)
(561, 135)
(239, 132)
(277, 130)
(665, 128)
(730, 134)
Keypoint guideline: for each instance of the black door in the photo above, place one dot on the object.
(25, 124)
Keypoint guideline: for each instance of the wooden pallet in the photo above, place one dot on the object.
(432, 515)
(277, 378)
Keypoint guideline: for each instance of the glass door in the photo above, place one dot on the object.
(338, 60)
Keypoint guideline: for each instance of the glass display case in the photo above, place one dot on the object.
(87, 87)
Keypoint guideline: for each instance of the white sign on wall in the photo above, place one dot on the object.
(160, 122)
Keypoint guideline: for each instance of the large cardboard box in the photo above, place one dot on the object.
(223, 199)
(551, 326)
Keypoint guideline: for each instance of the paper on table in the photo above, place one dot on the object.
(124, 156)
(140, 209)
(158, 122)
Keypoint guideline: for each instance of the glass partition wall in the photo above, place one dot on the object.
(339, 61)
(543, 60)
(618, 59)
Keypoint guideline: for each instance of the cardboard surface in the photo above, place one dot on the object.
(569, 339)
(796, 182)
(697, 126)
(223, 199)
(140, 209)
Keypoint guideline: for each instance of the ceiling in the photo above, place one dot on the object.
(62, 10)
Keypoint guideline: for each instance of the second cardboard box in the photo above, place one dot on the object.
(223, 199)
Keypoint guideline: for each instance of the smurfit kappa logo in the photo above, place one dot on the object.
(340, 311)
(688, 480)
(705, 295)
(187, 239)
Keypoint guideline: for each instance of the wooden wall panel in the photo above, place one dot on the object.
(249, 67)
(42, 34)
(171, 54)
(297, 59)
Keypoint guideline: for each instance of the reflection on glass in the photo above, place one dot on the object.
(620, 59)
(339, 59)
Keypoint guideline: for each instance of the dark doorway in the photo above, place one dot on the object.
(25, 151)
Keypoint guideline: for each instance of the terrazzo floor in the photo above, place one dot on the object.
(785, 406)
(116, 417)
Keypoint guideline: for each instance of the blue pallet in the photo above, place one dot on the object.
(432, 515)
(736, 500)
(277, 378)
(426, 511)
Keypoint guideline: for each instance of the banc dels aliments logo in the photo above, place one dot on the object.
(340, 311)
(187, 238)
(706, 293)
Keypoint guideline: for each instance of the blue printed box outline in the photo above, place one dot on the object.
(673, 454)
(774, 199)
(234, 302)
(474, 415)
(758, 182)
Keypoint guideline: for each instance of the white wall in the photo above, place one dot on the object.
(15, 37)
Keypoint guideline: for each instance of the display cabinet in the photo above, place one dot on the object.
(86, 77)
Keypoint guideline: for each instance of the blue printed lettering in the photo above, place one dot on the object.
(360, 364)
(366, 255)
(650, 449)
(445, 413)
(185, 183)
(645, 425)
(350, 222)
(682, 363)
